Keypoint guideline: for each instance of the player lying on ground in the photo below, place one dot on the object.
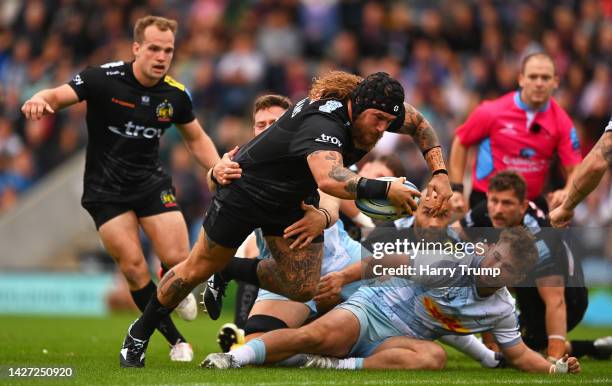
(393, 325)
(306, 149)
(424, 225)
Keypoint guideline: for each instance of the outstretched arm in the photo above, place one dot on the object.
(426, 138)
(333, 178)
(49, 101)
(584, 179)
(525, 359)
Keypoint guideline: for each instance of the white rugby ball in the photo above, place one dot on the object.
(382, 209)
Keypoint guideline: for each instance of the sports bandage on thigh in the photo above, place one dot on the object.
(263, 323)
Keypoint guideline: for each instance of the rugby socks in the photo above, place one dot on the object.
(471, 346)
(297, 360)
(154, 313)
(252, 353)
(245, 298)
(241, 269)
(167, 328)
(350, 364)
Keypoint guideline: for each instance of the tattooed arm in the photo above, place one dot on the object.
(585, 178)
(426, 138)
(331, 176)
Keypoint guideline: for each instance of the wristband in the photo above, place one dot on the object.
(370, 188)
(428, 150)
(457, 187)
(212, 176)
(327, 217)
(439, 171)
(560, 337)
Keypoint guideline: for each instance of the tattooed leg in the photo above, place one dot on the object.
(206, 258)
(291, 273)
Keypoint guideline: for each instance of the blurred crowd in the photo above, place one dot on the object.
(449, 55)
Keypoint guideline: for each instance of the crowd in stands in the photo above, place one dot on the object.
(449, 55)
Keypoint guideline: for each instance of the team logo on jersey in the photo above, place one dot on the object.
(323, 138)
(167, 198)
(77, 80)
(527, 152)
(164, 111)
(448, 322)
(330, 106)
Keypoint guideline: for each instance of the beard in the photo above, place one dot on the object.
(364, 140)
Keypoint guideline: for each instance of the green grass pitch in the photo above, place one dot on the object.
(91, 347)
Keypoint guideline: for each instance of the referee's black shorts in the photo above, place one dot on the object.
(532, 317)
(233, 215)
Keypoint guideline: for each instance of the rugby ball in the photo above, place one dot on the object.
(382, 209)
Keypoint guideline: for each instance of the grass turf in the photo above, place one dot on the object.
(91, 347)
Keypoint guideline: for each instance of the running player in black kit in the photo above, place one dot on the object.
(129, 106)
(308, 147)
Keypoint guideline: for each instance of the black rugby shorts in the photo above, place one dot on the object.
(232, 216)
(158, 201)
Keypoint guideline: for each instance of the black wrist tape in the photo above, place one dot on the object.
(440, 171)
(369, 188)
(430, 149)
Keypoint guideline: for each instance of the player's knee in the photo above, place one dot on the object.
(173, 257)
(304, 293)
(434, 357)
(135, 271)
(309, 337)
(263, 323)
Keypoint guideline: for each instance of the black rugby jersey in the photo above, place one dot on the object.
(275, 172)
(124, 123)
(554, 255)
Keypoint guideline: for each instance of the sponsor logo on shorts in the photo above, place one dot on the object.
(167, 198)
(164, 111)
(132, 131)
(323, 138)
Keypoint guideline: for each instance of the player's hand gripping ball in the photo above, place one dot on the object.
(383, 209)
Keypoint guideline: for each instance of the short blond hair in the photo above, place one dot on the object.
(161, 23)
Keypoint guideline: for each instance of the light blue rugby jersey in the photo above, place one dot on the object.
(428, 313)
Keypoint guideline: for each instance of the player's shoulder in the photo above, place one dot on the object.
(325, 108)
(173, 83)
